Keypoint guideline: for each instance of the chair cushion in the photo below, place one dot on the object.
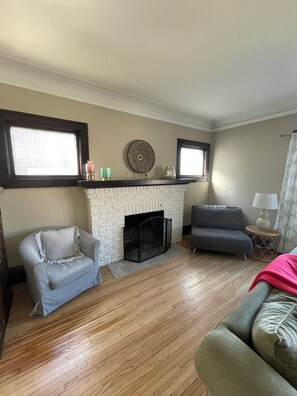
(220, 240)
(274, 333)
(58, 244)
(62, 273)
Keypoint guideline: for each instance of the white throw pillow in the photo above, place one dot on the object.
(58, 244)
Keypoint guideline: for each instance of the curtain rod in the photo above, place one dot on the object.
(287, 134)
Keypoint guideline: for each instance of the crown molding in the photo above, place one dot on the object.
(20, 74)
(251, 118)
(27, 76)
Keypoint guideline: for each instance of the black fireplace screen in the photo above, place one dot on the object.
(147, 239)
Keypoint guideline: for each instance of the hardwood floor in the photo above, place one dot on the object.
(130, 336)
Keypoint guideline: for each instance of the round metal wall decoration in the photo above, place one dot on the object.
(141, 156)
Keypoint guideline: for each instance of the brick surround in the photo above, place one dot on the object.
(107, 208)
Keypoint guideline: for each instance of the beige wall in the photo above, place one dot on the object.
(247, 160)
(110, 132)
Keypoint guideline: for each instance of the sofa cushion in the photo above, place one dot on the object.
(220, 240)
(274, 333)
(57, 244)
(212, 206)
(224, 218)
(62, 273)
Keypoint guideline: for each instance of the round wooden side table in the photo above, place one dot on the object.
(265, 243)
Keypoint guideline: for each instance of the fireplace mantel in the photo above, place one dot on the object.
(108, 206)
(133, 183)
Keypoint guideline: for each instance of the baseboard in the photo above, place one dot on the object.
(187, 230)
(16, 275)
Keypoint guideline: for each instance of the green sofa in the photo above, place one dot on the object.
(226, 362)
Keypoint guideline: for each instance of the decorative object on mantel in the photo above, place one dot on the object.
(90, 171)
(105, 174)
(169, 172)
(141, 156)
(265, 201)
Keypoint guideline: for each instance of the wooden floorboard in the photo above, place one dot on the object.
(130, 336)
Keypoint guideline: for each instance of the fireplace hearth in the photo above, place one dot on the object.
(146, 235)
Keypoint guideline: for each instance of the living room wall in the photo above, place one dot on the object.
(250, 159)
(110, 132)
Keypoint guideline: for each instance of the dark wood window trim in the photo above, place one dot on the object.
(12, 118)
(205, 147)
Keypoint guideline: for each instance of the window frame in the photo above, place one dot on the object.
(205, 147)
(8, 178)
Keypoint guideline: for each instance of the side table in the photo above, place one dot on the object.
(265, 243)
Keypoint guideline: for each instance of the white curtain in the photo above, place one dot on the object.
(286, 220)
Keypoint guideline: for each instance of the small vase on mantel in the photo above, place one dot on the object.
(90, 171)
(169, 172)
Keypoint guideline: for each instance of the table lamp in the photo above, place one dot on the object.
(265, 201)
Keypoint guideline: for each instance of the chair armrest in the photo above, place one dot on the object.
(37, 279)
(89, 245)
(29, 251)
(228, 367)
(36, 273)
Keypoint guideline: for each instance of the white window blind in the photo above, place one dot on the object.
(43, 153)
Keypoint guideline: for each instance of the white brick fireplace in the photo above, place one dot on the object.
(107, 208)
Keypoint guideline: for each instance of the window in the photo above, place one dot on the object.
(193, 159)
(38, 151)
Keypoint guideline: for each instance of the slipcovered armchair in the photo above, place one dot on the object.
(60, 263)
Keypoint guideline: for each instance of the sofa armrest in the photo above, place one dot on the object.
(228, 367)
(240, 320)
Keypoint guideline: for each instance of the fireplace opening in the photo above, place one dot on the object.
(146, 235)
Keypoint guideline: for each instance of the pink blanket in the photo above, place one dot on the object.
(280, 273)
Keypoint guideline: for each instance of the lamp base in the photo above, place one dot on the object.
(263, 220)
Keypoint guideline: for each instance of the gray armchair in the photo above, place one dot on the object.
(52, 283)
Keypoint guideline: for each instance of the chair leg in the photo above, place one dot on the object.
(245, 258)
(194, 251)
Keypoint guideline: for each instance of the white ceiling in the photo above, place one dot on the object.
(209, 64)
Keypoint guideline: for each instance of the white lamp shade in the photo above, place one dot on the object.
(265, 201)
